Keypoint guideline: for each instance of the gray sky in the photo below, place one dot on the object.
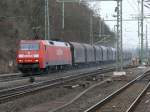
(130, 28)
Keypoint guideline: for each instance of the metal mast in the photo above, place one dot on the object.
(47, 22)
(142, 16)
(139, 51)
(119, 36)
(146, 45)
(63, 15)
(91, 29)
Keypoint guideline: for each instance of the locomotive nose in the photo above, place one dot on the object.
(28, 57)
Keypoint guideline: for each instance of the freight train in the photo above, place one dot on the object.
(45, 55)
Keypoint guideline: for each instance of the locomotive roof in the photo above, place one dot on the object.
(30, 41)
(47, 42)
(57, 43)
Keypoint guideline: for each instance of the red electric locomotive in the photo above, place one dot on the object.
(40, 55)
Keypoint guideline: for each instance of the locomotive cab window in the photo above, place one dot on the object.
(29, 46)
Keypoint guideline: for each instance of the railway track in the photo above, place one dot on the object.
(13, 93)
(11, 77)
(138, 99)
(124, 99)
(19, 76)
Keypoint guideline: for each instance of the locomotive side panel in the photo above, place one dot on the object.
(58, 53)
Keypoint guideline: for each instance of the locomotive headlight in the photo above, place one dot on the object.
(36, 55)
(20, 60)
(36, 60)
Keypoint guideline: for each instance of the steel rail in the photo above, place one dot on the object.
(13, 74)
(9, 77)
(138, 99)
(18, 76)
(9, 94)
(111, 96)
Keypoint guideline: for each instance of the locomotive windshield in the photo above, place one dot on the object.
(29, 46)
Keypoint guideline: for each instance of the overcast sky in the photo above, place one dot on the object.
(130, 28)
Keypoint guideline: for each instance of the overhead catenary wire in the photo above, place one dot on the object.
(132, 6)
(136, 4)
